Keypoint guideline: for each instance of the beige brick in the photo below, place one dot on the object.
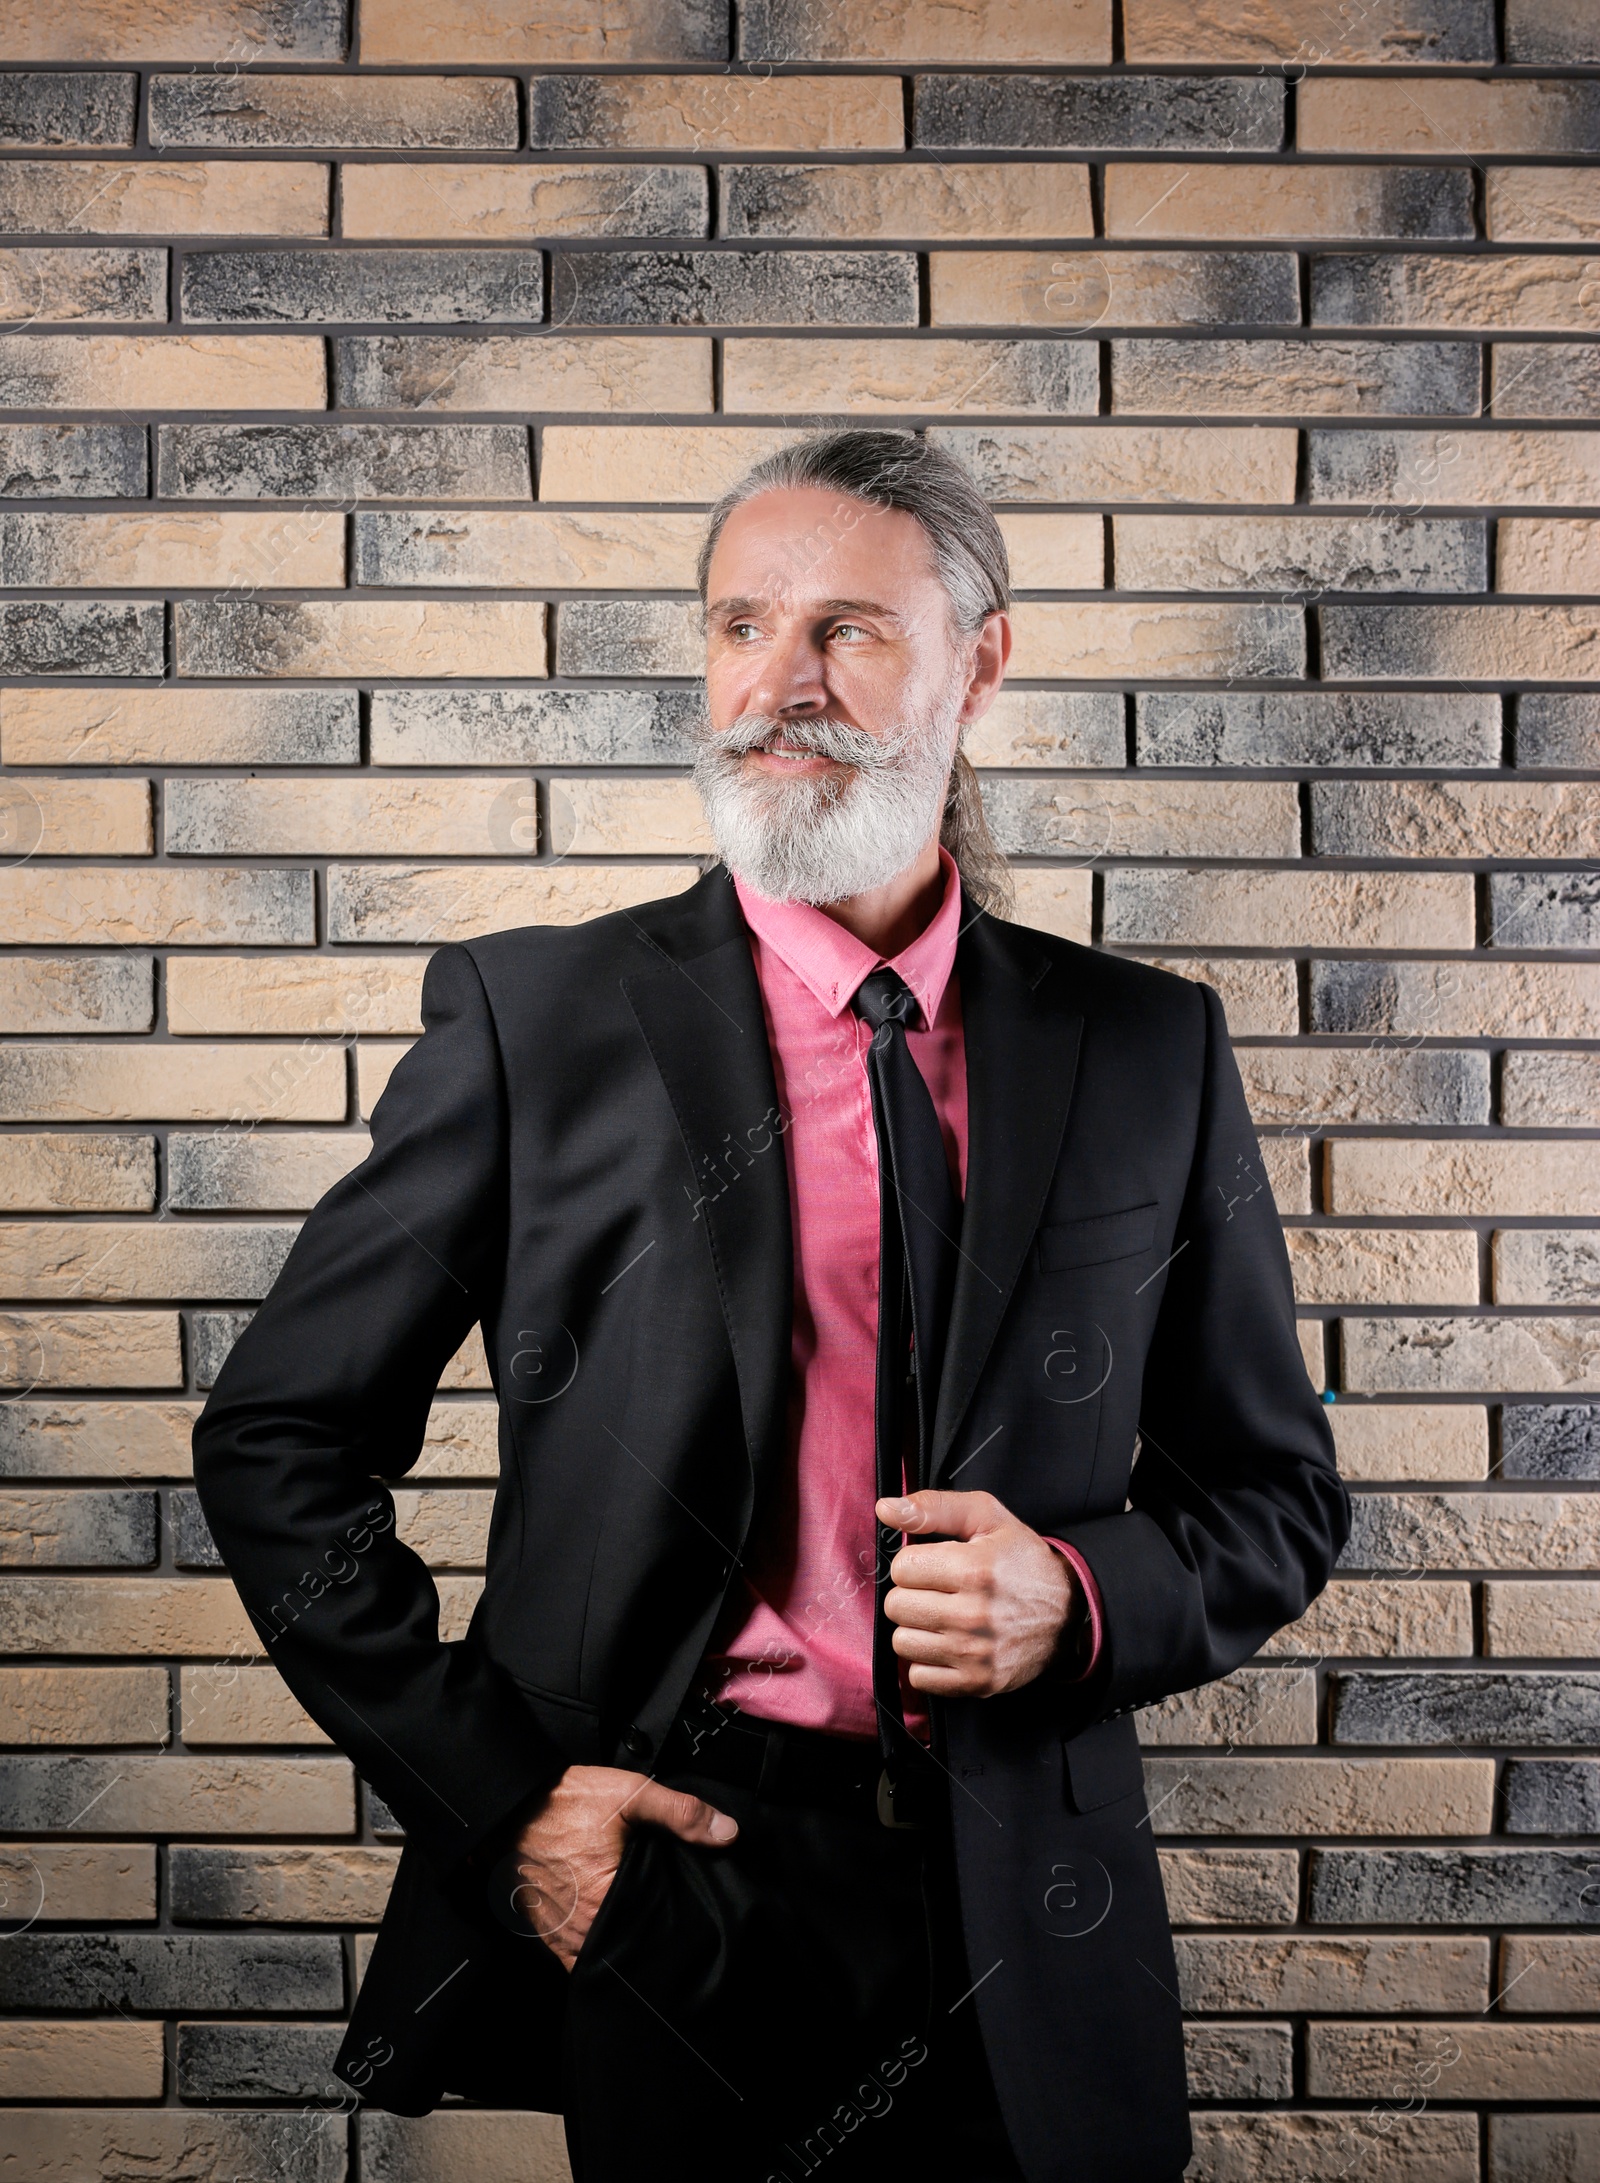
(174, 197)
(1473, 469)
(1288, 1173)
(488, 2147)
(253, 994)
(1053, 553)
(627, 817)
(726, 113)
(475, 32)
(458, 1601)
(1058, 902)
(46, 287)
(1383, 1265)
(1546, 1266)
(53, 1171)
(1548, 1621)
(182, 30)
(47, 2142)
(1313, 1351)
(1457, 818)
(83, 1705)
(1062, 730)
(1019, 201)
(179, 1795)
(458, 901)
(529, 550)
(1369, 1973)
(42, 1528)
(124, 1440)
(374, 1066)
(329, 1885)
(241, 549)
(1319, 1796)
(1547, 293)
(1075, 290)
(169, 726)
(1296, 553)
(84, 1883)
(1111, 463)
(113, 1261)
(1380, 1618)
(1248, 203)
(164, 1617)
(1299, 909)
(77, 993)
(1301, 33)
(88, 1349)
(604, 373)
(1055, 32)
(1513, 1531)
(1473, 2061)
(225, 1703)
(1231, 1886)
(1311, 2148)
(1533, 2148)
(1239, 2061)
(1411, 1441)
(1554, 1971)
(1463, 1177)
(62, 2060)
(1361, 114)
(462, 1441)
(161, 371)
(1252, 1705)
(449, 1529)
(1158, 639)
(1539, 553)
(387, 637)
(1301, 1089)
(44, 817)
(1262, 1000)
(645, 462)
(1550, 1091)
(283, 815)
(280, 1170)
(477, 204)
(180, 1083)
(1493, 1000)
(1472, 1356)
(1111, 816)
(866, 377)
(1542, 204)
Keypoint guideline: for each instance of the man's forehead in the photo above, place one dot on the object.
(759, 602)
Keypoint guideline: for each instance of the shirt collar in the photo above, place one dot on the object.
(831, 962)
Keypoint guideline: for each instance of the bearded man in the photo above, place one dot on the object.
(898, 1388)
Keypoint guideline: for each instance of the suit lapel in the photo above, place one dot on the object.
(1022, 1036)
(698, 1003)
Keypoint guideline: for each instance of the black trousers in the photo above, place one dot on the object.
(797, 2005)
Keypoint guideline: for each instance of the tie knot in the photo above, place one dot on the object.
(884, 997)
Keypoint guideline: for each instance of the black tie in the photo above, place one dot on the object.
(919, 1220)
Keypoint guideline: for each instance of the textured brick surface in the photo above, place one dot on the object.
(1286, 378)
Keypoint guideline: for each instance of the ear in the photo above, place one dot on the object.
(991, 650)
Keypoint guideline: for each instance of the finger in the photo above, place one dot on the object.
(948, 1682)
(952, 1515)
(941, 1649)
(913, 1610)
(688, 1817)
(948, 1567)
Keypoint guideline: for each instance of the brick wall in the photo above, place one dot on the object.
(362, 385)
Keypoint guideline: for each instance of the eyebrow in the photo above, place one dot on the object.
(823, 606)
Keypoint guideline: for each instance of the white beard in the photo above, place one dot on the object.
(824, 837)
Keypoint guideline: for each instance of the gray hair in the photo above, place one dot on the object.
(900, 470)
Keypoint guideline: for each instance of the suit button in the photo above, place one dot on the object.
(635, 1742)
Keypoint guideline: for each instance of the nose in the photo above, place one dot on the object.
(789, 681)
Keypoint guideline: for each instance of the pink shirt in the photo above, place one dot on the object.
(795, 1643)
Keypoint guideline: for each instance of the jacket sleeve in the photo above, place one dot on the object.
(1236, 1512)
(327, 1392)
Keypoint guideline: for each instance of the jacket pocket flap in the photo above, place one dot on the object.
(1102, 1236)
(1103, 1763)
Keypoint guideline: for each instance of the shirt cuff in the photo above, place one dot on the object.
(1091, 1599)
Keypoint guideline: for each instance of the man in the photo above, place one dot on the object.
(837, 1247)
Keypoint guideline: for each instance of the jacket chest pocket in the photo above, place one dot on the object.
(1097, 1239)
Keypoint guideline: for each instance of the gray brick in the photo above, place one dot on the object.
(363, 287)
(628, 637)
(1558, 730)
(72, 461)
(425, 113)
(158, 1971)
(258, 2061)
(1545, 909)
(211, 1335)
(1545, 379)
(1561, 33)
(1100, 113)
(1349, 997)
(734, 288)
(81, 637)
(1552, 1796)
(1469, 1707)
(193, 1547)
(1390, 288)
(98, 284)
(1316, 728)
(383, 1822)
(1555, 2148)
(1300, 553)
(1296, 378)
(1550, 1440)
(533, 727)
(94, 993)
(343, 462)
(41, 112)
(1453, 1887)
(78, 1530)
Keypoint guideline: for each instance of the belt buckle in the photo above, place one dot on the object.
(886, 1812)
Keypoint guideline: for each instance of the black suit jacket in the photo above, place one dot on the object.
(585, 1153)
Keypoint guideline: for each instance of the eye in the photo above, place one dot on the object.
(848, 630)
(739, 631)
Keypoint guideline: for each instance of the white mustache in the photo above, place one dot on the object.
(833, 739)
